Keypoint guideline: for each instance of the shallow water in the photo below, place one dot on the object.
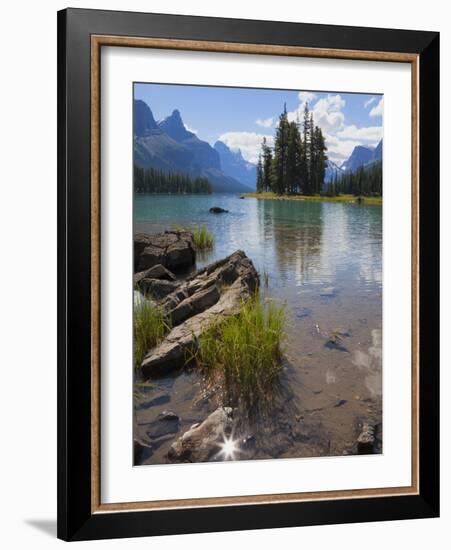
(324, 261)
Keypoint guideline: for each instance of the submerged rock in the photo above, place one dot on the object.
(171, 249)
(329, 292)
(335, 341)
(217, 210)
(202, 442)
(212, 294)
(168, 416)
(140, 451)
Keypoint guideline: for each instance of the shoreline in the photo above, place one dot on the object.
(268, 195)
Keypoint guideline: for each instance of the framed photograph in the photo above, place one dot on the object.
(248, 274)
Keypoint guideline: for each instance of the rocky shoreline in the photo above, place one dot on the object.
(192, 301)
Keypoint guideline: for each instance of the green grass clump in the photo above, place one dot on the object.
(244, 351)
(203, 239)
(149, 327)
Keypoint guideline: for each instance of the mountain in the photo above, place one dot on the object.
(143, 121)
(234, 165)
(169, 146)
(377, 153)
(332, 170)
(362, 156)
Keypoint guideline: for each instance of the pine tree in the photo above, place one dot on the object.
(293, 159)
(260, 182)
(281, 154)
(305, 153)
(267, 166)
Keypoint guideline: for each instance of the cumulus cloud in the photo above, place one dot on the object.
(328, 114)
(265, 122)
(339, 150)
(248, 142)
(371, 134)
(305, 97)
(341, 138)
(378, 109)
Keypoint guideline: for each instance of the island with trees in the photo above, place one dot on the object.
(295, 168)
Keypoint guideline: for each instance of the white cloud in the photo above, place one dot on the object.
(327, 113)
(368, 102)
(265, 122)
(248, 142)
(378, 109)
(305, 97)
(371, 134)
(339, 150)
(297, 114)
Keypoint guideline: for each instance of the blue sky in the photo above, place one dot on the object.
(242, 116)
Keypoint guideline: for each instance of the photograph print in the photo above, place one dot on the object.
(257, 276)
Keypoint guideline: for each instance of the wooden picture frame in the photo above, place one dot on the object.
(81, 35)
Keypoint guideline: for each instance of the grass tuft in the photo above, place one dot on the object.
(203, 239)
(150, 325)
(243, 352)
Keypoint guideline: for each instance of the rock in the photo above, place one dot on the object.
(366, 440)
(155, 402)
(328, 292)
(180, 255)
(173, 250)
(140, 451)
(156, 272)
(168, 416)
(151, 256)
(202, 442)
(212, 294)
(197, 303)
(157, 288)
(217, 210)
(340, 402)
(165, 425)
(248, 443)
(303, 312)
(335, 341)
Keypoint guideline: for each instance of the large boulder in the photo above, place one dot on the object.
(214, 293)
(156, 272)
(157, 288)
(171, 249)
(203, 442)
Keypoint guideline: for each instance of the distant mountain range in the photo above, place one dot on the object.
(233, 164)
(360, 156)
(169, 146)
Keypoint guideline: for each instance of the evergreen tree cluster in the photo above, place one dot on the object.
(152, 180)
(297, 163)
(365, 181)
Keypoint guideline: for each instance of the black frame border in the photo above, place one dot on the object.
(75, 520)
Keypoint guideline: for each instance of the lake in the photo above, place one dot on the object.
(324, 261)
